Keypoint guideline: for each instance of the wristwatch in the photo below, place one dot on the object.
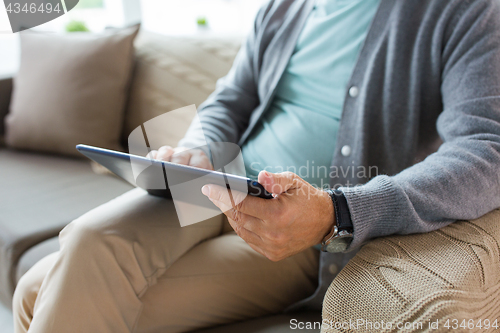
(342, 232)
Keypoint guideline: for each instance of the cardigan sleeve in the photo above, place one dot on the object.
(462, 179)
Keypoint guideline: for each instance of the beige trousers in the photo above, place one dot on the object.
(128, 266)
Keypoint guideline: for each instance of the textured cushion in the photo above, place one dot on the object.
(173, 72)
(451, 273)
(39, 195)
(70, 89)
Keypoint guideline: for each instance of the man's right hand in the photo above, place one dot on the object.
(182, 155)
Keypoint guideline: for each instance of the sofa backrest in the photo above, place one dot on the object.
(170, 72)
(173, 72)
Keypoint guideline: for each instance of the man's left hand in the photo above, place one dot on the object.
(298, 217)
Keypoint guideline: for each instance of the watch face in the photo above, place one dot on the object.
(339, 243)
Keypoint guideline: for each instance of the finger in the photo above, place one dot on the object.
(278, 183)
(152, 154)
(225, 206)
(248, 222)
(165, 153)
(200, 160)
(257, 249)
(258, 245)
(182, 157)
(248, 236)
(246, 204)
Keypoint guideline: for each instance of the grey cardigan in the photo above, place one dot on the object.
(427, 115)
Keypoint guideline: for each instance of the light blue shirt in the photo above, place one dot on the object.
(298, 132)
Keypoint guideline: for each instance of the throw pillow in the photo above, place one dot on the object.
(70, 89)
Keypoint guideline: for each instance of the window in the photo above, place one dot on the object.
(173, 17)
(180, 17)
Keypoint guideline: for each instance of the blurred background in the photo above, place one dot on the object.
(169, 17)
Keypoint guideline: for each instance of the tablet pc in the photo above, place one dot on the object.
(159, 178)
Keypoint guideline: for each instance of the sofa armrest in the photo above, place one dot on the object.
(5, 95)
(451, 273)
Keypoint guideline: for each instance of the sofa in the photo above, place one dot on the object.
(449, 274)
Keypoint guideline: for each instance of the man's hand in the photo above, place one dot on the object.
(181, 155)
(299, 216)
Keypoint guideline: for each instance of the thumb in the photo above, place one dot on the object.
(278, 183)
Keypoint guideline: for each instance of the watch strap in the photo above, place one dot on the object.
(340, 237)
(342, 213)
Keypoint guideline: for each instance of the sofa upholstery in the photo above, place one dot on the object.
(40, 195)
(171, 73)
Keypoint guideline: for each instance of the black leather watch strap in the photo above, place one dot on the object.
(342, 213)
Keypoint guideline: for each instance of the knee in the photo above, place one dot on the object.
(86, 234)
(78, 236)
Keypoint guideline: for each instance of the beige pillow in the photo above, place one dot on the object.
(70, 89)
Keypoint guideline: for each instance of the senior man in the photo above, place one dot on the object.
(410, 89)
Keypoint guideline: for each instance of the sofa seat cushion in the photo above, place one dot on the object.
(39, 195)
(35, 254)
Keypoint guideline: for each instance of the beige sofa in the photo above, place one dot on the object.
(451, 274)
